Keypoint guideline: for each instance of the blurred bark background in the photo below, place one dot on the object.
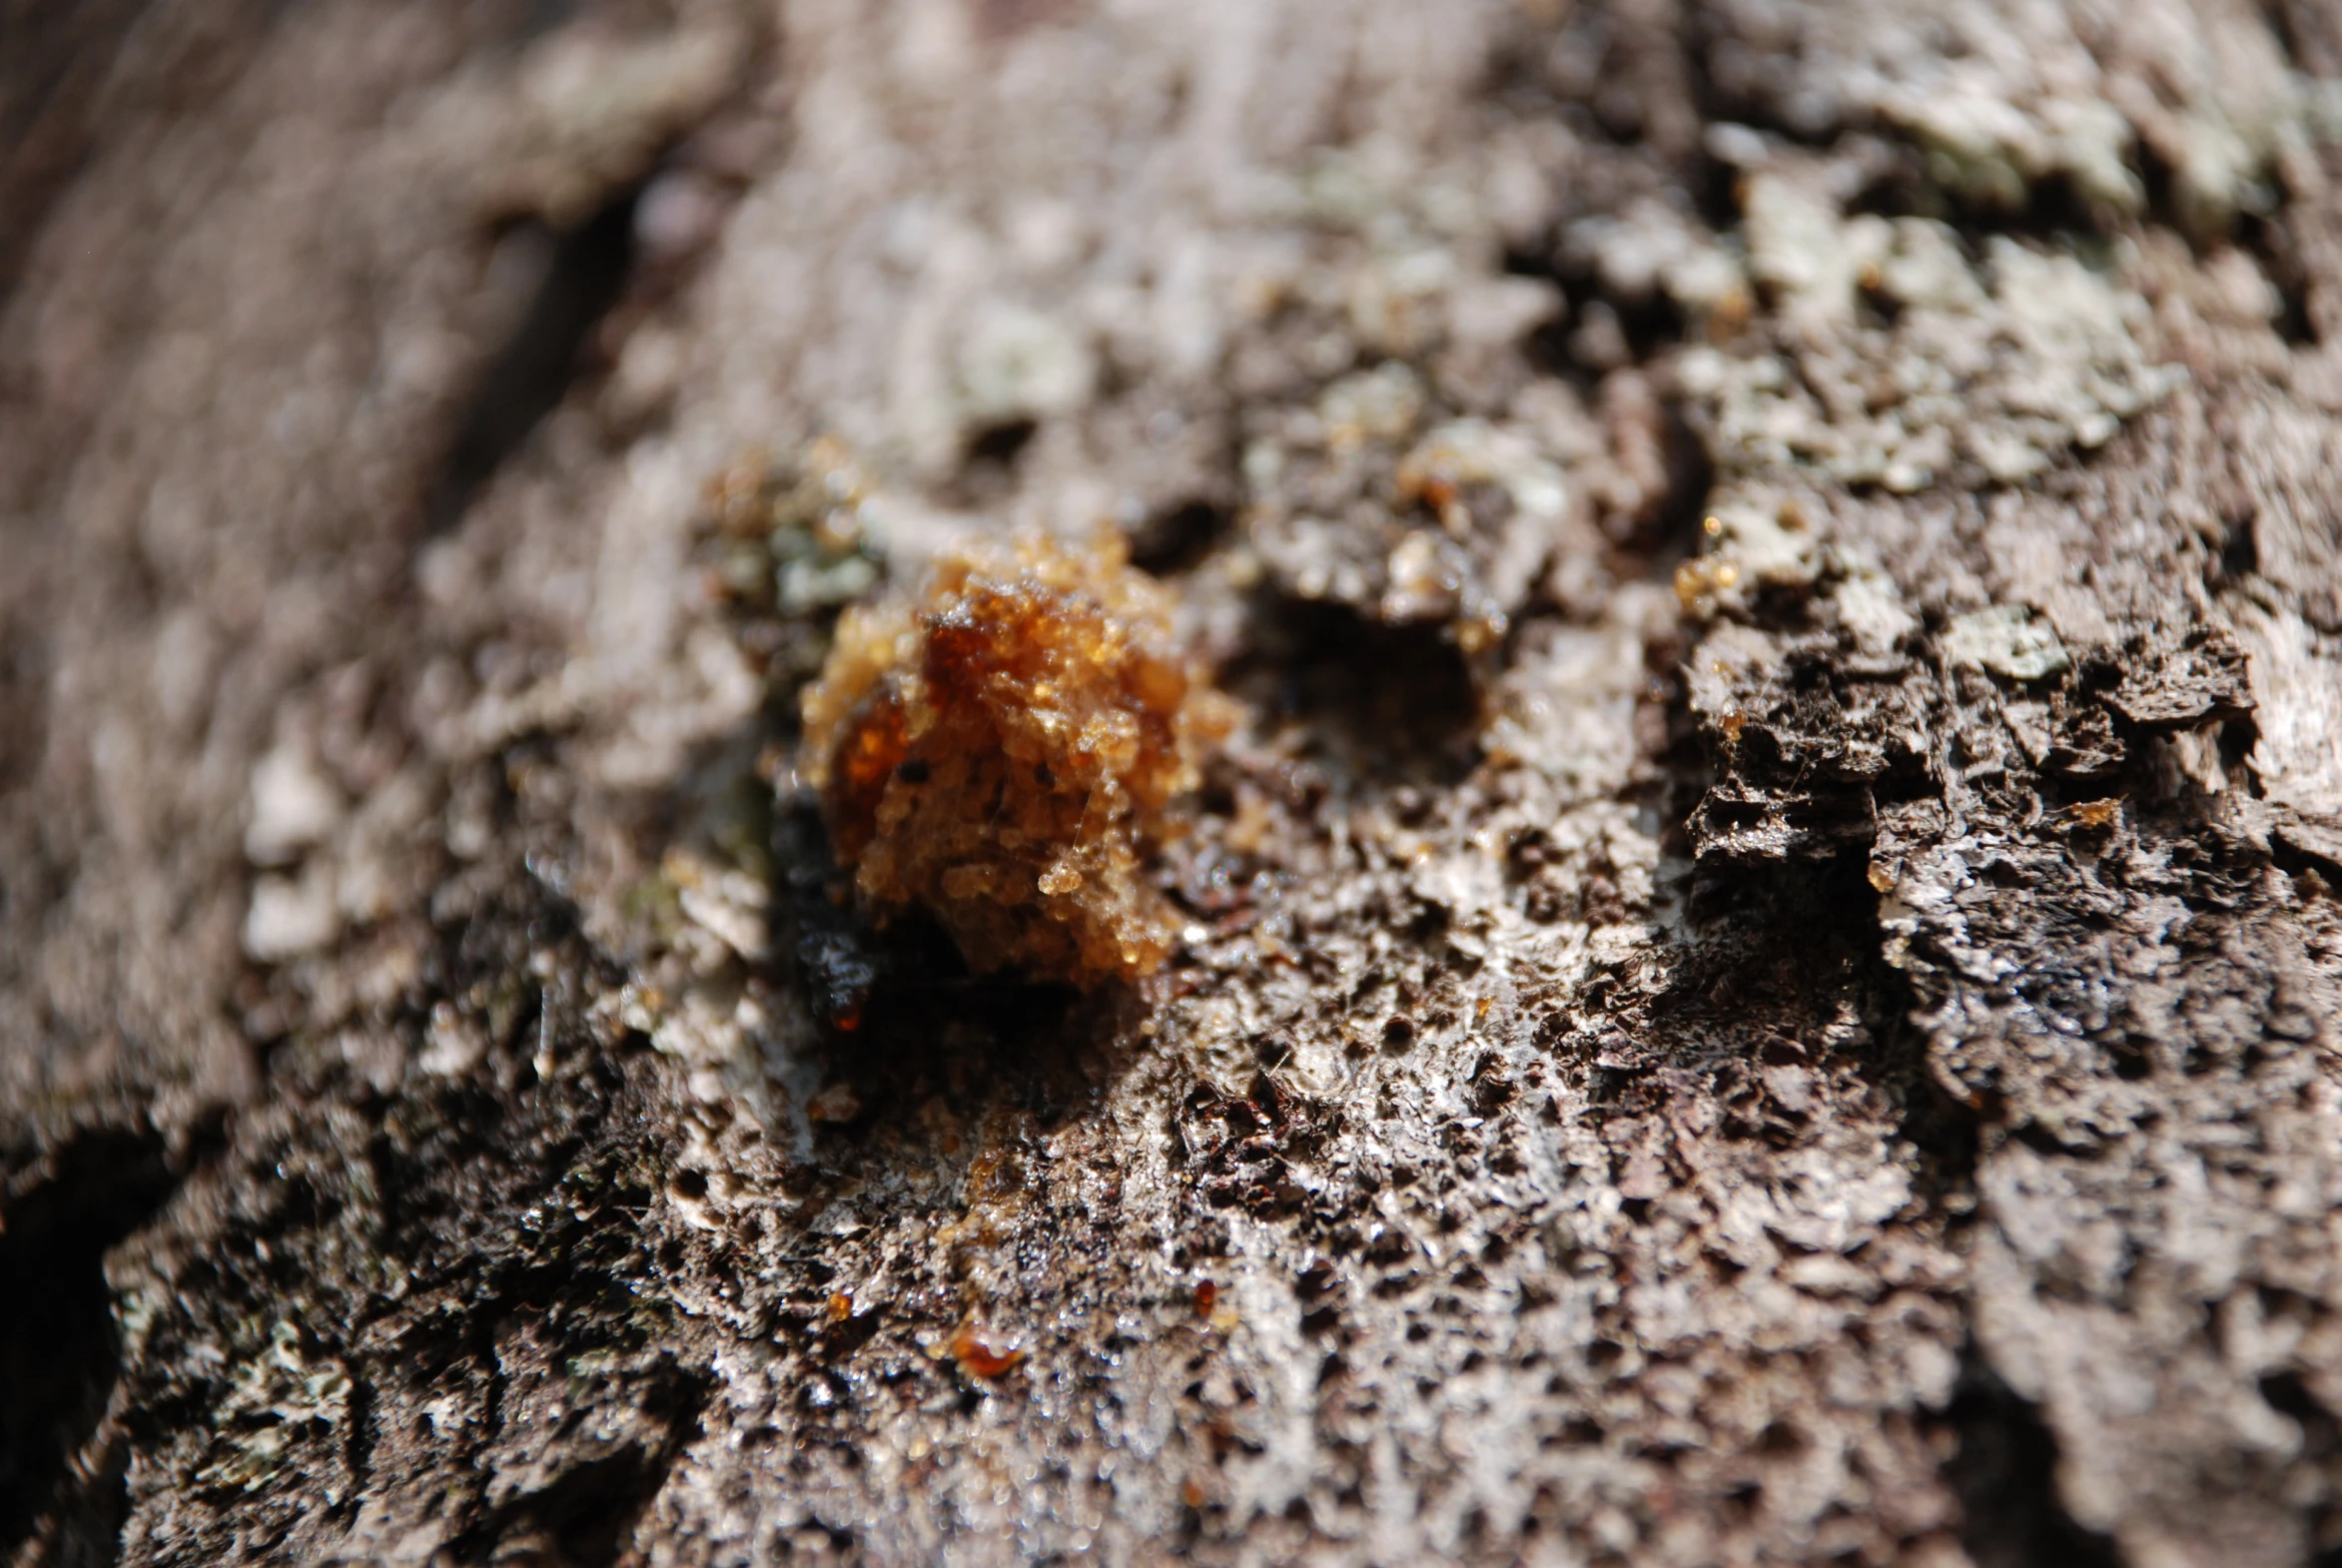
(1762, 977)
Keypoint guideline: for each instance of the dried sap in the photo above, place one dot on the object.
(1005, 752)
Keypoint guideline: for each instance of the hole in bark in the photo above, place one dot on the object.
(2270, 241)
(2005, 1477)
(1598, 332)
(988, 464)
(2239, 548)
(1396, 701)
(2052, 207)
(59, 1353)
(2134, 1062)
(2289, 1396)
(1001, 444)
(1691, 480)
(529, 375)
(1178, 539)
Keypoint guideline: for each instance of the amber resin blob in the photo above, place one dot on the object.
(1007, 752)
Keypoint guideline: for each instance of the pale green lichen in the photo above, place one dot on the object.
(1367, 501)
(1986, 149)
(2007, 640)
(1759, 541)
(1382, 405)
(2002, 97)
(786, 544)
(1022, 363)
(1900, 362)
(274, 1399)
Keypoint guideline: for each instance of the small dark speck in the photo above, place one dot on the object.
(1043, 775)
(913, 770)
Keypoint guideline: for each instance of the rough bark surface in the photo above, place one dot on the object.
(1762, 974)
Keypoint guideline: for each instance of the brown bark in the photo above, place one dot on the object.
(1763, 971)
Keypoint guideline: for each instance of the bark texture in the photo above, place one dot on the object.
(1762, 976)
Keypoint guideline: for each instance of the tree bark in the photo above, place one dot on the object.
(1760, 981)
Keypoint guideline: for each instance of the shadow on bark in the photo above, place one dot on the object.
(2006, 1475)
(60, 1352)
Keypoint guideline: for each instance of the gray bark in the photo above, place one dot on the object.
(1762, 973)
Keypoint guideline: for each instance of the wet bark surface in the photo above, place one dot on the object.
(1758, 983)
